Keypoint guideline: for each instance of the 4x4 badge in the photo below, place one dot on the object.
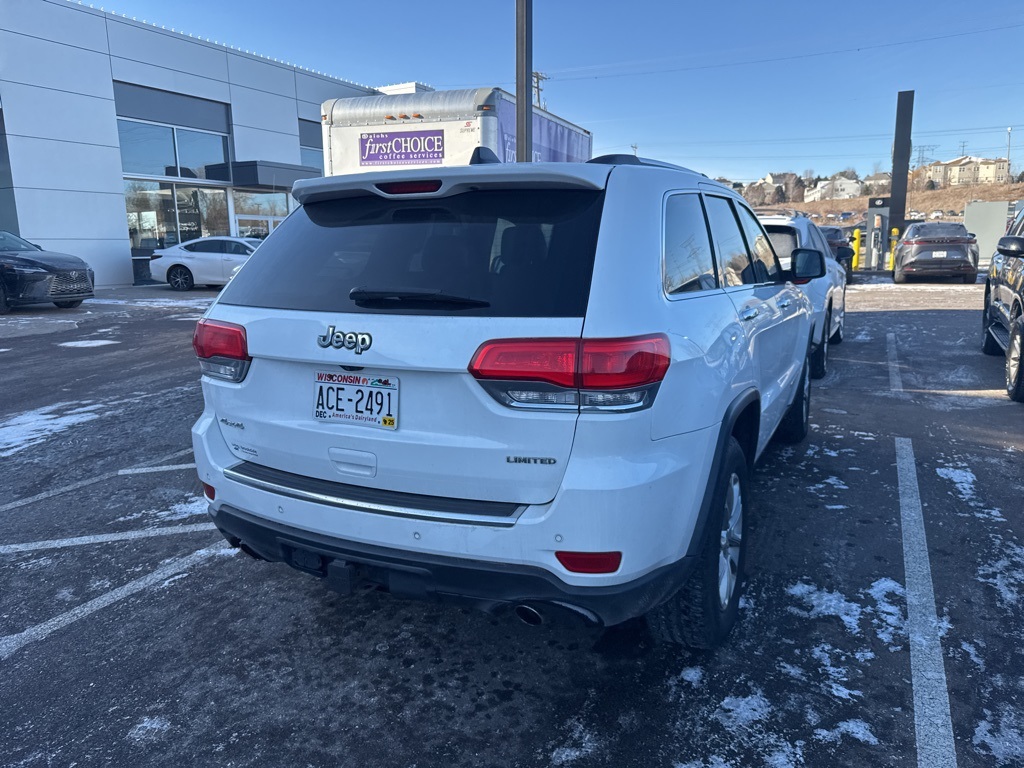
(360, 342)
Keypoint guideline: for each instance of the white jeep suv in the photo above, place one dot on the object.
(789, 230)
(534, 386)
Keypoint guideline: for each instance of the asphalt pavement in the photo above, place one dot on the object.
(881, 624)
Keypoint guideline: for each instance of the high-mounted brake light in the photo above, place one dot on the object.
(408, 187)
(590, 562)
(222, 349)
(594, 373)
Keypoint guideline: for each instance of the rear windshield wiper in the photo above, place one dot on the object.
(413, 295)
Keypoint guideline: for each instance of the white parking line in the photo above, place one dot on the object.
(12, 643)
(895, 380)
(147, 470)
(83, 483)
(103, 538)
(932, 721)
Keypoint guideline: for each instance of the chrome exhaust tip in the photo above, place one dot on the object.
(529, 615)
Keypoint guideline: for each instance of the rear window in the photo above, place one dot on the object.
(784, 240)
(832, 233)
(525, 253)
(940, 230)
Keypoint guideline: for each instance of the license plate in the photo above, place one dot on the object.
(357, 399)
(938, 254)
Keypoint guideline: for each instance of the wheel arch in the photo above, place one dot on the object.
(742, 420)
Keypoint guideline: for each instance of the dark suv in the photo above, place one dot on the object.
(1003, 318)
(938, 249)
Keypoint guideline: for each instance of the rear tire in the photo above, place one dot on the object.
(898, 277)
(704, 611)
(180, 278)
(796, 423)
(1014, 372)
(819, 357)
(988, 343)
(68, 304)
(970, 279)
(4, 306)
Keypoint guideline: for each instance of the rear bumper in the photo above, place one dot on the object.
(485, 585)
(938, 267)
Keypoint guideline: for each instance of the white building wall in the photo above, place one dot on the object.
(58, 61)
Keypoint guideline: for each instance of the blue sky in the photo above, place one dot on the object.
(728, 88)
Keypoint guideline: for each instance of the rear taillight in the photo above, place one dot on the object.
(590, 562)
(209, 491)
(589, 373)
(408, 187)
(222, 349)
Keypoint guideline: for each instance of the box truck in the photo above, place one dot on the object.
(458, 127)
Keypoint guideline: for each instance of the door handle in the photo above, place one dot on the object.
(785, 303)
(749, 314)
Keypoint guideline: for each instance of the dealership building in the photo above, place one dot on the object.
(118, 136)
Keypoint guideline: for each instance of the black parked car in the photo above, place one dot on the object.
(1003, 318)
(841, 251)
(939, 249)
(30, 275)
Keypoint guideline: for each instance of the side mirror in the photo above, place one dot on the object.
(808, 264)
(844, 253)
(1011, 246)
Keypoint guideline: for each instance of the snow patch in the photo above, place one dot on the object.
(887, 617)
(693, 675)
(584, 744)
(743, 710)
(821, 602)
(963, 479)
(1007, 573)
(836, 506)
(972, 652)
(34, 427)
(712, 762)
(194, 506)
(1003, 739)
(87, 343)
(149, 729)
(856, 729)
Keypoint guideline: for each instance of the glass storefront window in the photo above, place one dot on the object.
(260, 203)
(146, 149)
(202, 212)
(314, 158)
(151, 218)
(198, 151)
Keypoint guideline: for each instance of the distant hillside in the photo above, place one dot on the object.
(947, 199)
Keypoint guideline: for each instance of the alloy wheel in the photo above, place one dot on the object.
(730, 541)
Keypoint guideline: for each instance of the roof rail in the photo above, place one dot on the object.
(791, 212)
(626, 159)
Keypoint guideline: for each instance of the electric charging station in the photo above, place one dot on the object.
(876, 234)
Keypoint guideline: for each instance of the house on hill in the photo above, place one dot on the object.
(835, 189)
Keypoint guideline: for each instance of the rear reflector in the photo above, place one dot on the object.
(210, 492)
(590, 562)
(408, 187)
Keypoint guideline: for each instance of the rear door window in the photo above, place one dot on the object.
(765, 265)
(730, 248)
(689, 265)
(514, 253)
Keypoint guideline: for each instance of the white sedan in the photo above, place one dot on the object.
(206, 261)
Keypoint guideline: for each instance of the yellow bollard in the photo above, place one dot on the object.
(855, 264)
(894, 236)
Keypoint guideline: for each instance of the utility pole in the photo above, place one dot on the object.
(963, 148)
(538, 78)
(1009, 132)
(635, 149)
(923, 153)
(524, 81)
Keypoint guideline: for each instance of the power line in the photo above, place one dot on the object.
(779, 59)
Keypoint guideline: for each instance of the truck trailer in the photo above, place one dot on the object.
(459, 127)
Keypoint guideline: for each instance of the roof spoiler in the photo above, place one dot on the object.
(625, 159)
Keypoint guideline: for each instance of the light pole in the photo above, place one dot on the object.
(524, 81)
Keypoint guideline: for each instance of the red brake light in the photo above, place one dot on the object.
(213, 338)
(408, 187)
(548, 360)
(622, 363)
(590, 562)
(209, 491)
